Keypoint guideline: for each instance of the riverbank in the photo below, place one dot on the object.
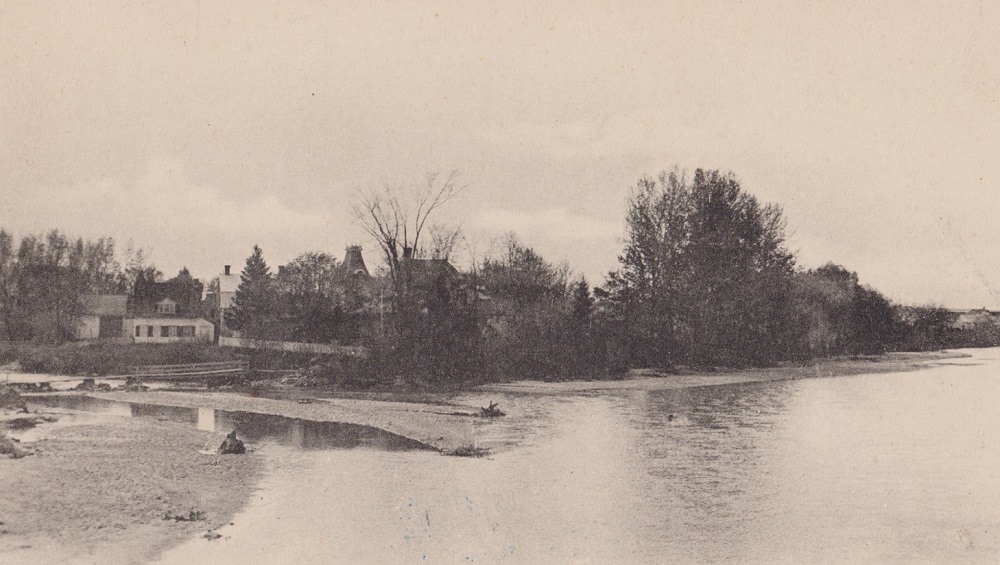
(648, 379)
(444, 427)
(98, 487)
(101, 489)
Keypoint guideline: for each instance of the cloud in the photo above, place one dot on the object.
(552, 223)
(588, 245)
(180, 221)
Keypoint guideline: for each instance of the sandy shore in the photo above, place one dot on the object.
(98, 491)
(431, 424)
(652, 380)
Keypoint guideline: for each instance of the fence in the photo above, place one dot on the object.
(189, 370)
(295, 347)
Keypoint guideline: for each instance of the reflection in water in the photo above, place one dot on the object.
(900, 467)
(716, 447)
(253, 427)
(206, 419)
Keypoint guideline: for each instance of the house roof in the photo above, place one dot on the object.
(354, 263)
(104, 304)
(425, 272)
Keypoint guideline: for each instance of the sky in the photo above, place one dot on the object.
(198, 129)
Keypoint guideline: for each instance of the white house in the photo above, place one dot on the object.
(170, 329)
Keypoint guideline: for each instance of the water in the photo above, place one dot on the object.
(900, 467)
(263, 429)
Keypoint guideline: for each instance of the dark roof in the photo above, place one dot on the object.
(354, 263)
(104, 304)
(424, 272)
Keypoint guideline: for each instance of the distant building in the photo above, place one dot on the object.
(219, 297)
(971, 319)
(354, 264)
(171, 311)
(433, 283)
(356, 289)
(162, 329)
(162, 320)
(103, 316)
(228, 283)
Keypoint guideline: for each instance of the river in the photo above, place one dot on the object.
(895, 467)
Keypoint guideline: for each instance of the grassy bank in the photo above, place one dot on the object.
(106, 358)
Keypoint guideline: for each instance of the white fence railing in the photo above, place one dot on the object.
(295, 347)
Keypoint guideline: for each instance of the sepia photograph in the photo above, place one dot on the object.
(465, 282)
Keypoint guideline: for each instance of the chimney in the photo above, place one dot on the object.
(407, 253)
(227, 270)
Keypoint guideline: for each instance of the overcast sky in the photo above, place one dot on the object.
(196, 129)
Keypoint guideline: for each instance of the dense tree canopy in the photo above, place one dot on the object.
(309, 298)
(704, 273)
(42, 281)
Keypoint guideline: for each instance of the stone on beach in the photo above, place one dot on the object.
(232, 445)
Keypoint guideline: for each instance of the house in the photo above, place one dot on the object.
(971, 319)
(431, 283)
(162, 329)
(103, 316)
(166, 312)
(219, 296)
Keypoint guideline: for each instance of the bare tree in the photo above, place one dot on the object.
(443, 241)
(397, 216)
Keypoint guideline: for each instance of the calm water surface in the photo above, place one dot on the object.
(901, 467)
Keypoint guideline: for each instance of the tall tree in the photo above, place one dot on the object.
(529, 324)
(309, 300)
(704, 274)
(46, 290)
(647, 289)
(252, 311)
(8, 265)
(41, 283)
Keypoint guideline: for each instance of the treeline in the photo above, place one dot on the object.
(43, 277)
(705, 279)
(513, 315)
(308, 300)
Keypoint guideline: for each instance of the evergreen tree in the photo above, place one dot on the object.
(583, 303)
(253, 303)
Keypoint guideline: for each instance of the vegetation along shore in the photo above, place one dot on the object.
(705, 279)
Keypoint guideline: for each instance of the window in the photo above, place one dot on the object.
(149, 331)
(164, 331)
(138, 331)
(185, 331)
(166, 307)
